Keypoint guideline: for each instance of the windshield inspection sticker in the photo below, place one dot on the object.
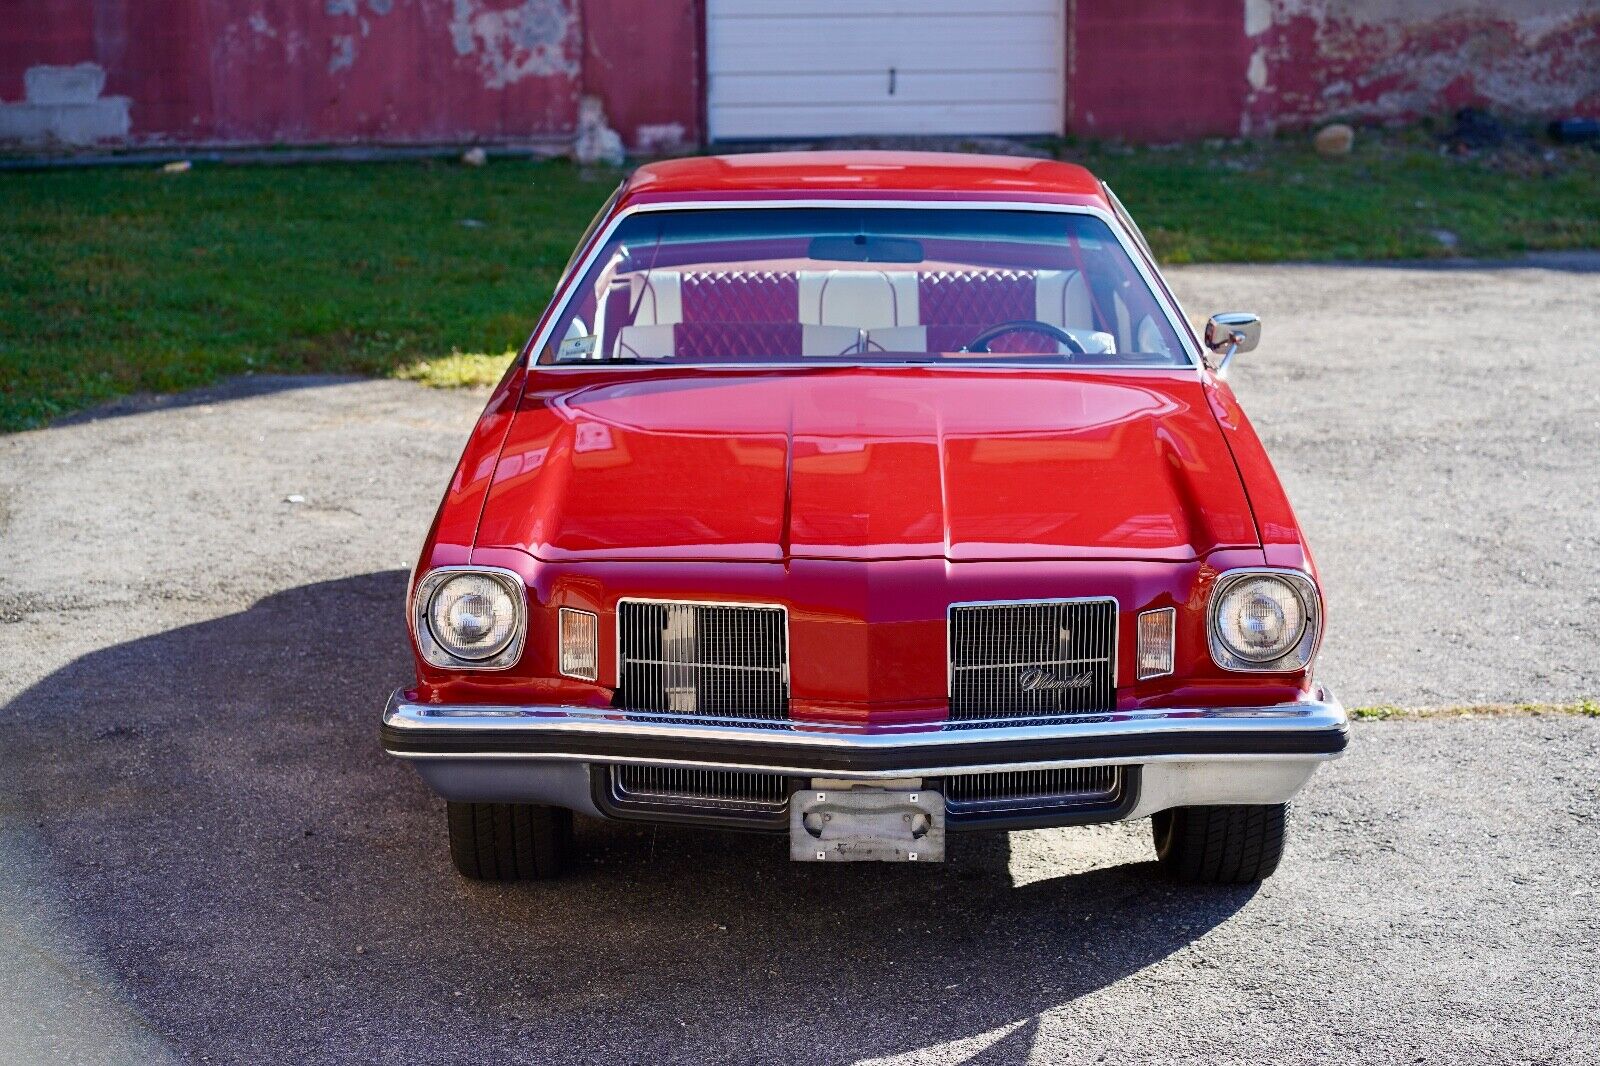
(576, 348)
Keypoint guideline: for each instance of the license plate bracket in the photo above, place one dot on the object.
(866, 825)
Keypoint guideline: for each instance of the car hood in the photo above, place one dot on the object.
(859, 463)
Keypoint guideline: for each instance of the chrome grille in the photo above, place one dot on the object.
(678, 786)
(1015, 660)
(1014, 789)
(716, 660)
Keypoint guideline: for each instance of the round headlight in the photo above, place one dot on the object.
(472, 616)
(1260, 618)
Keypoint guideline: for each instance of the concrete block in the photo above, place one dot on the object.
(79, 84)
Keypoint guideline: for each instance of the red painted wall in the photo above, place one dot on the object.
(420, 71)
(1156, 69)
(1173, 69)
(1382, 59)
(644, 61)
(310, 71)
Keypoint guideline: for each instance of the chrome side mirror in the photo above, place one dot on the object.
(1230, 333)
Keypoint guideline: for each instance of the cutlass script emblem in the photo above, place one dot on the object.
(1037, 680)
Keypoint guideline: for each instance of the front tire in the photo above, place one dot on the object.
(509, 841)
(1221, 845)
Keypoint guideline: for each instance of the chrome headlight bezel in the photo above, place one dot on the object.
(435, 653)
(1298, 656)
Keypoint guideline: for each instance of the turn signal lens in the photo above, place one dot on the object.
(1155, 642)
(580, 644)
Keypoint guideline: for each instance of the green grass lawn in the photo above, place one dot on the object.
(122, 280)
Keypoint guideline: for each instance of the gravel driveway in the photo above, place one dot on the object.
(203, 853)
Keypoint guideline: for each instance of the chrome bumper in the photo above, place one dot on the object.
(542, 753)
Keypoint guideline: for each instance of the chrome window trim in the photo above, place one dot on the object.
(819, 363)
(1296, 660)
(1158, 291)
(561, 655)
(429, 647)
(589, 230)
(616, 624)
(1172, 644)
(1126, 218)
(949, 631)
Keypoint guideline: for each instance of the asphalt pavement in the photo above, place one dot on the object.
(204, 856)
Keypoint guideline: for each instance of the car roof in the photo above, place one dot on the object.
(864, 172)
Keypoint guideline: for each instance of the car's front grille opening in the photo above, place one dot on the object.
(713, 660)
(1016, 790)
(1021, 660)
(730, 797)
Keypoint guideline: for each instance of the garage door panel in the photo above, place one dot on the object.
(764, 123)
(835, 9)
(811, 68)
(795, 46)
(911, 87)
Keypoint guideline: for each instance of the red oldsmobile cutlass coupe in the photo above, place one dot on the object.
(866, 497)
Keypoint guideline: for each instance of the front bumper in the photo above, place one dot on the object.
(1191, 756)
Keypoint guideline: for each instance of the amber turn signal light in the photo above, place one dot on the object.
(1155, 642)
(580, 644)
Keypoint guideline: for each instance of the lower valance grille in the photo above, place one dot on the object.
(1021, 789)
(716, 660)
(1016, 660)
(682, 787)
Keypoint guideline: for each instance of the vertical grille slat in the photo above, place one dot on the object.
(1020, 660)
(714, 660)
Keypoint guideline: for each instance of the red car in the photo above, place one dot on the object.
(866, 497)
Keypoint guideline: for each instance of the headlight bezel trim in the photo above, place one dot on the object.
(433, 652)
(1299, 657)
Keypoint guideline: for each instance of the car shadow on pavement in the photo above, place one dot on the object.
(238, 387)
(214, 819)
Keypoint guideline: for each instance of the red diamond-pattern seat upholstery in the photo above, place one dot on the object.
(727, 314)
(741, 296)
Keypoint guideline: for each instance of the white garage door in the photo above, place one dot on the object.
(817, 68)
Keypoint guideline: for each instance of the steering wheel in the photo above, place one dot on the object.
(980, 343)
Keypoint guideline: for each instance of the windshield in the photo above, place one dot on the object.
(855, 285)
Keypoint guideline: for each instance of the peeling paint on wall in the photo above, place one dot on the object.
(318, 71)
(239, 72)
(64, 105)
(1256, 72)
(661, 137)
(526, 40)
(344, 53)
(1398, 59)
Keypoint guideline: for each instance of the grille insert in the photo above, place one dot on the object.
(715, 660)
(1019, 660)
(1020, 789)
(677, 786)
